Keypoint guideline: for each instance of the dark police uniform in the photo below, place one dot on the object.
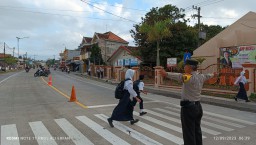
(191, 109)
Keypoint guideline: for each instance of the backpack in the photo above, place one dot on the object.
(136, 86)
(119, 91)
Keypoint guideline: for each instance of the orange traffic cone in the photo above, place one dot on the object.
(73, 95)
(50, 81)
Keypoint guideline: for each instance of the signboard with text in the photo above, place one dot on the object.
(133, 62)
(127, 62)
(171, 62)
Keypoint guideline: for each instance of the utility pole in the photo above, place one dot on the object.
(4, 50)
(4, 57)
(13, 51)
(18, 40)
(198, 18)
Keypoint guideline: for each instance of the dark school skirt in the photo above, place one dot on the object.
(124, 109)
(242, 92)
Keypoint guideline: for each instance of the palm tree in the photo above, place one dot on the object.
(156, 32)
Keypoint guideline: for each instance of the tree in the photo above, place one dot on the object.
(96, 56)
(50, 62)
(181, 35)
(155, 33)
(10, 60)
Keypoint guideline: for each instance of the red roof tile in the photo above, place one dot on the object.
(86, 40)
(110, 36)
(6, 55)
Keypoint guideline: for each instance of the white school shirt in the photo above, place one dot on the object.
(128, 85)
(141, 86)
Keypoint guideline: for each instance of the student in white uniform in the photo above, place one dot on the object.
(138, 86)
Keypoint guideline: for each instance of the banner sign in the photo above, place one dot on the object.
(235, 56)
(171, 62)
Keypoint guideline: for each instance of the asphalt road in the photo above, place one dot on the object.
(31, 113)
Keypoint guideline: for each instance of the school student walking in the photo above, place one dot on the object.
(138, 86)
(241, 81)
(124, 109)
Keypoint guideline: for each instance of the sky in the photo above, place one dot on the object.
(46, 27)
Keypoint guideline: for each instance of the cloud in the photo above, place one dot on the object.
(51, 24)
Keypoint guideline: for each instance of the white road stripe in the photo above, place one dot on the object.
(161, 123)
(9, 77)
(133, 133)
(9, 135)
(230, 118)
(216, 126)
(42, 135)
(215, 119)
(99, 106)
(225, 117)
(202, 121)
(109, 105)
(224, 122)
(178, 121)
(161, 133)
(109, 136)
(76, 136)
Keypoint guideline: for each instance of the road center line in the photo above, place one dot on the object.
(63, 94)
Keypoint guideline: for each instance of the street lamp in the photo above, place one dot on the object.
(18, 39)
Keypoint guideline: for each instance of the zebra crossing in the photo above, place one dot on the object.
(159, 126)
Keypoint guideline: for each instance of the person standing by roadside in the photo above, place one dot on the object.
(89, 71)
(191, 109)
(241, 81)
(101, 72)
(98, 71)
(138, 86)
(124, 109)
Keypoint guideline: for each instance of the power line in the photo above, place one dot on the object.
(62, 15)
(203, 3)
(7, 6)
(121, 7)
(107, 11)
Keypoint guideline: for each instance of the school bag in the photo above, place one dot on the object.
(119, 91)
(136, 86)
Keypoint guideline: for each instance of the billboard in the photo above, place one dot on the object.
(235, 56)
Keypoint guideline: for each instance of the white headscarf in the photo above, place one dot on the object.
(129, 74)
(242, 73)
(241, 78)
(129, 84)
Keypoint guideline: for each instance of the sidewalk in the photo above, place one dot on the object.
(175, 92)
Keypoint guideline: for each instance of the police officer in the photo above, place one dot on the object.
(191, 109)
